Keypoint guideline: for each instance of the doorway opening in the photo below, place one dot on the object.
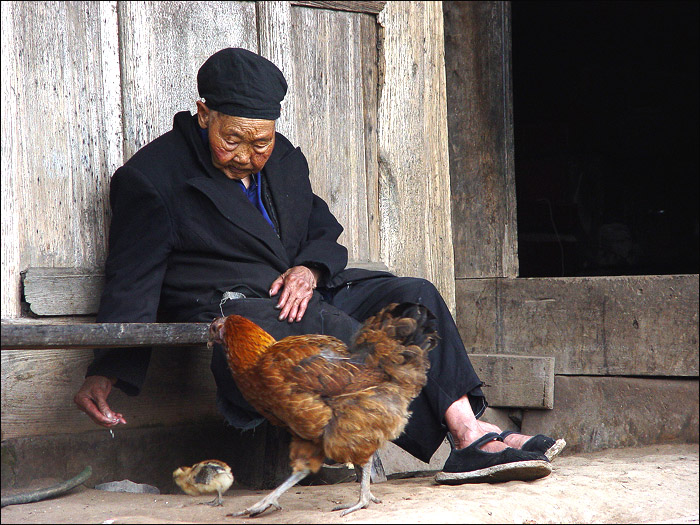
(605, 105)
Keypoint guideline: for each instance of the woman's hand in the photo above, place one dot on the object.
(297, 285)
(92, 399)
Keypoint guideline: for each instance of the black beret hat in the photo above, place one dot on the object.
(241, 83)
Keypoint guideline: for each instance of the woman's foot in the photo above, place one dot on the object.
(516, 440)
(466, 429)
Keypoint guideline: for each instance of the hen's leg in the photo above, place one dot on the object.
(271, 499)
(365, 495)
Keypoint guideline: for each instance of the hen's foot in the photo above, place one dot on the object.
(365, 495)
(363, 503)
(260, 507)
(271, 499)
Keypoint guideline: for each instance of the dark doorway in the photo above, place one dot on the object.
(606, 137)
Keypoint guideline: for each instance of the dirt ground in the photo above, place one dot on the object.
(656, 484)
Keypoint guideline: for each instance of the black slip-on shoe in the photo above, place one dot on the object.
(473, 465)
(540, 443)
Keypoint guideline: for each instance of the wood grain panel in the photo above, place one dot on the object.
(63, 291)
(76, 291)
(480, 121)
(61, 91)
(515, 380)
(38, 389)
(328, 61)
(275, 38)
(631, 325)
(596, 413)
(370, 92)
(414, 179)
(163, 45)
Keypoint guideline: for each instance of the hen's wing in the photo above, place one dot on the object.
(302, 373)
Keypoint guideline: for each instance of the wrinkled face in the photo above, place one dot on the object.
(239, 146)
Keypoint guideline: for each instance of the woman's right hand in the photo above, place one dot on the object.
(92, 399)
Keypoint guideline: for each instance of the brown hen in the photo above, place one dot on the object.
(339, 402)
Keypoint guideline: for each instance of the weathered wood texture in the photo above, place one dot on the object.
(414, 183)
(40, 336)
(330, 56)
(89, 58)
(516, 381)
(62, 135)
(63, 291)
(162, 46)
(275, 43)
(38, 389)
(76, 291)
(633, 325)
(359, 6)
(595, 413)
(480, 123)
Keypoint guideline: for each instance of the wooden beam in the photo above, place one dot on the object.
(356, 7)
(594, 413)
(28, 336)
(63, 291)
(516, 380)
(644, 325)
(480, 123)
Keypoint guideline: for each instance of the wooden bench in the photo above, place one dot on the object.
(61, 304)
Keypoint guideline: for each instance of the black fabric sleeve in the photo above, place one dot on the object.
(141, 237)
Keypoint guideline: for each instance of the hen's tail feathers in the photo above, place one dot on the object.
(398, 339)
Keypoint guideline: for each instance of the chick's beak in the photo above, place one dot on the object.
(216, 331)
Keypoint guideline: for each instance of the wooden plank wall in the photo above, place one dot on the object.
(414, 182)
(331, 75)
(145, 56)
(163, 44)
(91, 82)
(61, 138)
(480, 122)
(38, 389)
(643, 325)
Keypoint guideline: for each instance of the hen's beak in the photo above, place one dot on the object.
(216, 331)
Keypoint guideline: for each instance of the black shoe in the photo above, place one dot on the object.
(540, 443)
(473, 465)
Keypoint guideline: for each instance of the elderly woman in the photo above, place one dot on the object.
(218, 216)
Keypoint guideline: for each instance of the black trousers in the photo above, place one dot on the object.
(451, 374)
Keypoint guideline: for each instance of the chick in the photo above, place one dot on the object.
(206, 477)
